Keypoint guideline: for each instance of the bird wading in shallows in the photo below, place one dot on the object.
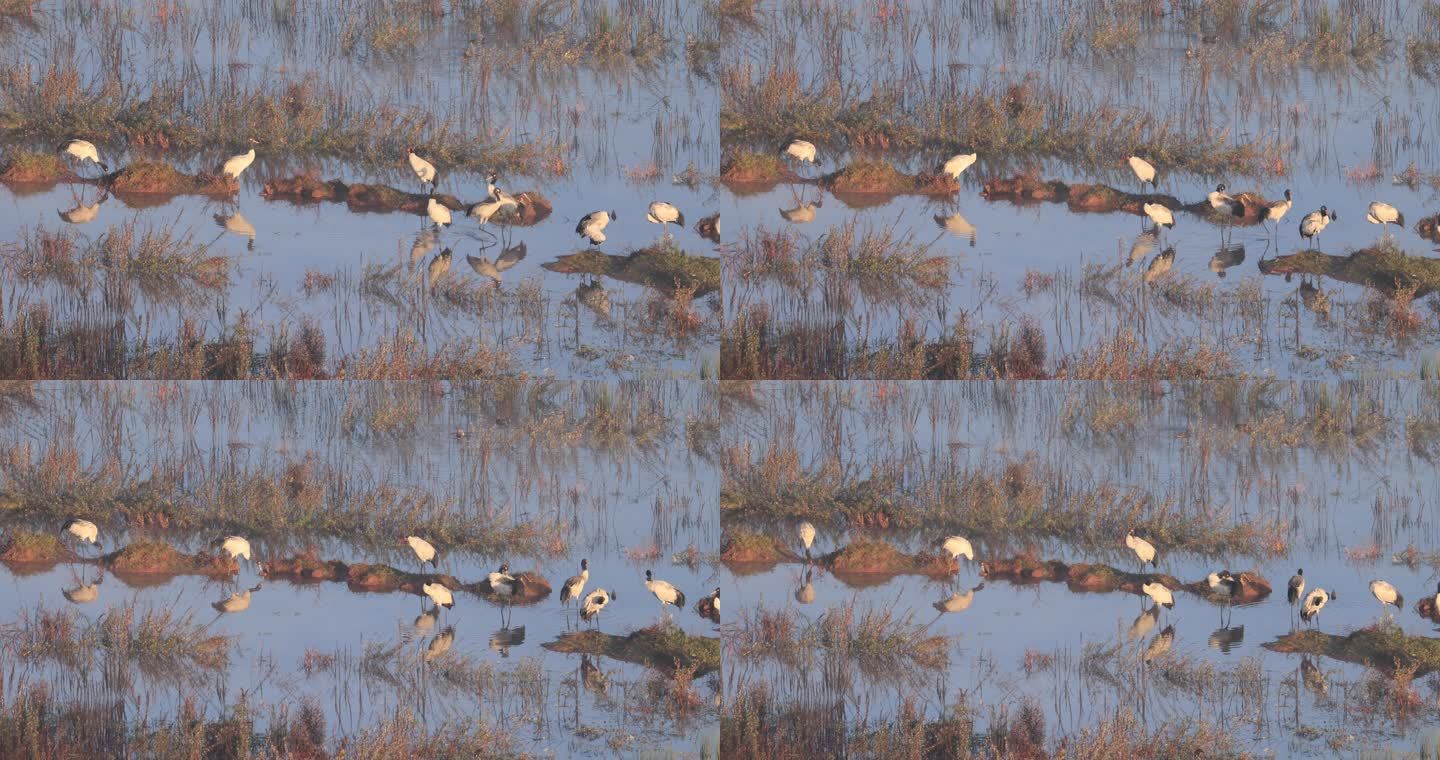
(592, 225)
(82, 151)
(1315, 222)
(236, 165)
(1386, 595)
(594, 602)
(1384, 213)
(664, 214)
(424, 170)
(575, 584)
(800, 150)
(806, 531)
(666, 593)
(82, 530)
(1144, 170)
(1314, 602)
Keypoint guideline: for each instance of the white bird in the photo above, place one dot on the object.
(237, 224)
(82, 151)
(502, 583)
(484, 267)
(1159, 593)
(1143, 549)
(956, 225)
(1223, 583)
(424, 170)
(424, 550)
(439, 594)
(1143, 169)
(958, 546)
(806, 531)
(802, 214)
(491, 206)
(236, 165)
(958, 601)
(958, 164)
(1296, 587)
(437, 212)
(492, 190)
(666, 593)
(1277, 210)
(592, 225)
(575, 584)
(1386, 593)
(800, 150)
(1315, 222)
(1159, 214)
(235, 546)
(594, 602)
(439, 266)
(1223, 201)
(1384, 213)
(440, 644)
(664, 214)
(1316, 601)
(83, 530)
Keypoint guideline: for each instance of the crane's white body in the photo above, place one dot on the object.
(664, 591)
(1384, 213)
(594, 602)
(424, 170)
(575, 584)
(958, 164)
(1159, 214)
(801, 150)
(236, 547)
(1143, 169)
(660, 212)
(1386, 593)
(1314, 223)
(83, 530)
(237, 165)
(1142, 548)
(82, 150)
(1314, 602)
(424, 550)
(806, 531)
(437, 212)
(1159, 593)
(592, 226)
(439, 594)
(957, 547)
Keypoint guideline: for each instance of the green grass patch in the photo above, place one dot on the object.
(665, 648)
(1383, 646)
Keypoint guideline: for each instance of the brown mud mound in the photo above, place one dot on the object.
(746, 547)
(664, 648)
(362, 576)
(1103, 198)
(1384, 647)
(880, 178)
(1081, 576)
(876, 559)
(1384, 267)
(1253, 588)
(709, 228)
(155, 558)
(305, 188)
(32, 168)
(662, 266)
(159, 178)
(759, 171)
(307, 567)
(22, 547)
(533, 589)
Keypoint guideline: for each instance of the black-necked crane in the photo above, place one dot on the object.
(84, 593)
(1316, 601)
(806, 531)
(801, 214)
(424, 170)
(1386, 594)
(805, 594)
(1160, 265)
(595, 601)
(1160, 214)
(1223, 584)
(1144, 624)
(1296, 587)
(957, 547)
(83, 213)
(1160, 644)
(496, 269)
(505, 587)
(438, 212)
(503, 639)
(83, 530)
(800, 150)
(664, 214)
(1315, 222)
(82, 151)
(1277, 210)
(1142, 548)
(957, 225)
(236, 546)
(575, 584)
(1144, 170)
(492, 190)
(236, 165)
(441, 644)
(957, 164)
(1384, 213)
(664, 591)
(1159, 594)
(1222, 201)
(424, 551)
(709, 606)
(592, 225)
(1225, 257)
(439, 266)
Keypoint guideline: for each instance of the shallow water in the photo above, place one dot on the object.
(1329, 123)
(625, 509)
(1342, 513)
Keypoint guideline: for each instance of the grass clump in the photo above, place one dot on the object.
(880, 177)
(159, 558)
(160, 178)
(22, 167)
(749, 167)
(26, 547)
(743, 546)
(1384, 646)
(878, 557)
(665, 648)
(157, 640)
(663, 266)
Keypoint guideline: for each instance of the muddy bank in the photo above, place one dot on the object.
(1083, 576)
(304, 188)
(1103, 198)
(746, 547)
(533, 589)
(868, 562)
(1384, 647)
(748, 173)
(25, 548)
(866, 182)
(662, 266)
(663, 648)
(152, 558)
(1384, 267)
(156, 178)
(37, 169)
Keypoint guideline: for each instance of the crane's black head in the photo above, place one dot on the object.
(1334, 216)
(1220, 188)
(1323, 210)
(614, 216)
(647, 575)
(1287, 193)
(717, 592)
(1300, 571)
(504, 568)
(584, 564)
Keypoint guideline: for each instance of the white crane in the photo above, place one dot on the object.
(1159, 214)
(82, 151)
(1386, 594)
(82, 530)
(1384, 213)
(800, 150)
(806, 531)
(1277, 210)
(1142, 548)
(594, 602)
(592, 225)
(666, 593)
(1160, 594)
(1316, 601)
(958, 164)
(236, 165)
(437, 212)
(575, 584)
(424, 550)
(1143, 169)
(424, 170)
(1315, 222)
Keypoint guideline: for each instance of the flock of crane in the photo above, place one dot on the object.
(1222, 583)
(1311, 225)
(503, 584)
